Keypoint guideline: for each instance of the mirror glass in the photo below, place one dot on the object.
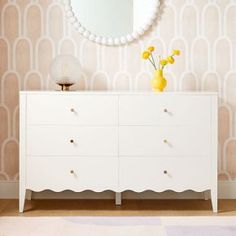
(113, 18)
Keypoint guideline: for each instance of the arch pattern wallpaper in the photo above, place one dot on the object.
(33, 32)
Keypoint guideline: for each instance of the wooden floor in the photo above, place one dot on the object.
(107, 208)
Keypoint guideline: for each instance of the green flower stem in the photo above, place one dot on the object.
(152, 63)
(159, 62)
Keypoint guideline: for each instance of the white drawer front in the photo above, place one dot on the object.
(162, 174)
(75, 174)
(164, 141)
(72, 141)
(164, 110)
(72, 109)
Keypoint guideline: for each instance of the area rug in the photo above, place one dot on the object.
(118, 226)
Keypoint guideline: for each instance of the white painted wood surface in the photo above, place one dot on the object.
(77, 174)
(71, 109)
(72, 141)
(160, 174)
(22, 152)
(121, 141)
(162, 141)
(169, 109)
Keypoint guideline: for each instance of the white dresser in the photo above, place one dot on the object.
(118, 141)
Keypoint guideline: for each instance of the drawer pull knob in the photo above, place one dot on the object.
(165, 141)
(72, 141)
(165, 172)
(165, 110)
(72, 172)
(72, 110)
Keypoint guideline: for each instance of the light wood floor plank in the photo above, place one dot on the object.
(108, 208)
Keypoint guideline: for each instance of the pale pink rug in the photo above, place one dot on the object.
(118, 226)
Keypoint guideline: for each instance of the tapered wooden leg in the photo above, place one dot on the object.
(118, 198)
(214, 200)
(22, 199)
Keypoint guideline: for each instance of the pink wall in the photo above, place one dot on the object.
(33, 32)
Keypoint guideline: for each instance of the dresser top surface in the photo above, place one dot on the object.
(48, 92)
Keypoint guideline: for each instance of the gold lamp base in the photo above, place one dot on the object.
(65, 87)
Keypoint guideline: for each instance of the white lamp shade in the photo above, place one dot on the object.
(65, 69)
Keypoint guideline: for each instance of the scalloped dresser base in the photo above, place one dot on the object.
(118, 141)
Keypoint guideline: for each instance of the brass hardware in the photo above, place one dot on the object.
(165, 172)
(72, 172)
(72, 141)
(72, 110)
(165, 141)
(165, 110)
(65, 87)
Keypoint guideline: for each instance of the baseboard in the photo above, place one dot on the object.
(9, 190)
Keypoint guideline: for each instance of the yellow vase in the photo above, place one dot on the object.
(158, 82)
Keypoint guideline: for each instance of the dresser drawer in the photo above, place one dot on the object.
(72, 141)
(164, 141)
(72, 109)
(74, 174)
(164, 109)
(162, 174)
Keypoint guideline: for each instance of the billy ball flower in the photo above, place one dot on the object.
(163, 62)
(176, 52)
(151, 49)
(170, 59)
(146, 55)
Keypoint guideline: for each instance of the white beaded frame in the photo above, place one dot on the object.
(109, 40)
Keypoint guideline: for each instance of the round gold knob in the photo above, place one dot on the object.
(72, 172)
(72, 141)
(165, 141)
(72, 110)
(165, 172)
(165, 110)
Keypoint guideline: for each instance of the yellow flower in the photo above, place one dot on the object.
(151, 49)
(170, 60)
(163, 62)
(146, 55)
(176, 52)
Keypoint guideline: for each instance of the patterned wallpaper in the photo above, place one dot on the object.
(32, 32)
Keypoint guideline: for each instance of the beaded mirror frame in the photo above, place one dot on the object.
(110, 40)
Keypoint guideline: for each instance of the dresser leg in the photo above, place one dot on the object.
(214, 200)
(118, 198)
(22, 199)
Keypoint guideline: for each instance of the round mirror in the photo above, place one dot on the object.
(111, 22)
